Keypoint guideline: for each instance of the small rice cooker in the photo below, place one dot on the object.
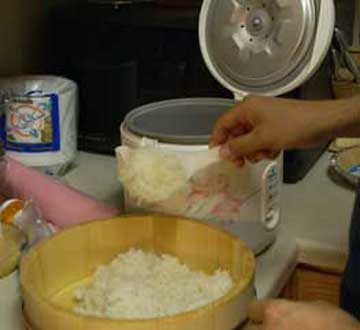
(263, 47)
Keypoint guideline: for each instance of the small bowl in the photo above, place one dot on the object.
(51, 270)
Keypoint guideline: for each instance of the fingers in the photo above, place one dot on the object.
(257, 156)
(246, 145)
(288, 315)
(240, 162)
(227, 155)
(262, 155)
(257, 311)
(272, 154)
(232, 122)
(254, 158)
(268, 311)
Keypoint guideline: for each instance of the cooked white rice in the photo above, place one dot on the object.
(152, 176)
(139, 285)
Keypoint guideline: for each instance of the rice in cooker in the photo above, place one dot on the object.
(152, 175)
(141, 285)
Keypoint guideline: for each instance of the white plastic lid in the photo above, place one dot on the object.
(266, 47)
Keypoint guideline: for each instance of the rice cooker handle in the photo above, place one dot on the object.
(270, 196)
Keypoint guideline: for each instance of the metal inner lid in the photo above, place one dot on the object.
(260, 45)
(180, 121)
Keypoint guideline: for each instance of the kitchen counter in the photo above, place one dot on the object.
(315, 221)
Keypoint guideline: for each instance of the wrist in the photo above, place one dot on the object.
(344, 118)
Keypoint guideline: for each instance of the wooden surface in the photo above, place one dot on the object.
(28, 327)
(345, 89)
(248, 326)
(309, 284)
(52, 268)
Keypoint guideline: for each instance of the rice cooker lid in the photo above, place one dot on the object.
(266, 47)
(180, 121)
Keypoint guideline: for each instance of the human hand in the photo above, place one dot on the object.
(287, 315)
(260, 127)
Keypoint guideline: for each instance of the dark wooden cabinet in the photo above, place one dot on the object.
(310, 283)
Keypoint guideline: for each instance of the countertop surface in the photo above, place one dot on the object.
(315, 221)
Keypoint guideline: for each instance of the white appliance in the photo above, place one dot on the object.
(264, 47)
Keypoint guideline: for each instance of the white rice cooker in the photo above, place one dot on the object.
(263, 47)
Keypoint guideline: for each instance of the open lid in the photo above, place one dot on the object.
(266, 47)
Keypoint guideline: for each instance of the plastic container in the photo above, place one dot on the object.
(40, 123)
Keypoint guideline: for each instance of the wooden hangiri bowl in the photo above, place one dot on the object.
(51, 270)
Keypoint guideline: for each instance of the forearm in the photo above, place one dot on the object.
(344, 118)
(311, 123)
(260, 127)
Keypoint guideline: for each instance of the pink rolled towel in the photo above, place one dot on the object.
(58, 203)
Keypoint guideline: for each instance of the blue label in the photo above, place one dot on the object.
(355, 170)
(31, 124)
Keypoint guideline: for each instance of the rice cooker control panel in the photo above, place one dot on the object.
(271, 196)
